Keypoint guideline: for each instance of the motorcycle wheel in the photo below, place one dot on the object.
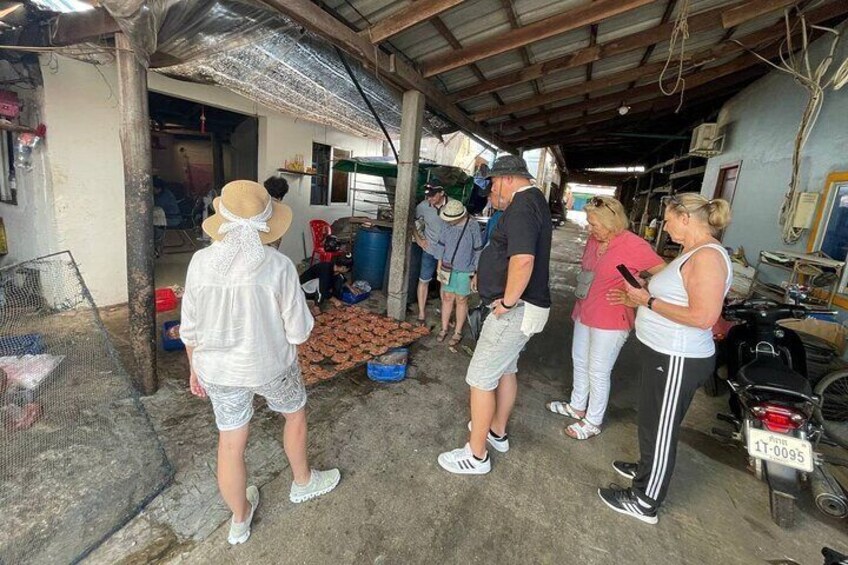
(832, 413)
(782, 509)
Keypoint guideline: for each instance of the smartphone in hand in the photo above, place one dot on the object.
(628, 276)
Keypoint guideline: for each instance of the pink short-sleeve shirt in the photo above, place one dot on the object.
(626, 248)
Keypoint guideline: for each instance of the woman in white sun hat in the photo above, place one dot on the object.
(243, 315)
(457, 252)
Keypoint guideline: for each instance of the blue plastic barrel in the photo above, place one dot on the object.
(370, 254)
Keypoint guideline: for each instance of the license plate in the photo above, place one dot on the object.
(786, 450)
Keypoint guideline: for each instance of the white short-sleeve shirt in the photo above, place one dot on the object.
(244, 325)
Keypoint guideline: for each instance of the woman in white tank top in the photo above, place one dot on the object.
(674, 323)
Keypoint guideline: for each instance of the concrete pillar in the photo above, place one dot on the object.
(407, 182)
(138, 194)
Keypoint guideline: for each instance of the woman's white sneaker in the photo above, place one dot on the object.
(462, 462)
(240, 531)
(321, 482)
(500, 444)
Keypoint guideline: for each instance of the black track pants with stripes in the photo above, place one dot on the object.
(668, 384)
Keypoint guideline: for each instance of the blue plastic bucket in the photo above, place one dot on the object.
(169, 344)
(389, 373)
(370, 254)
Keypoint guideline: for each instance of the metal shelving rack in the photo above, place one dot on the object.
(794, 263)
(647, 193)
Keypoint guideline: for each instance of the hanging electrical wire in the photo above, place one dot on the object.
(813, 78)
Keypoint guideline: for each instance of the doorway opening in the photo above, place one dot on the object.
(196, 150)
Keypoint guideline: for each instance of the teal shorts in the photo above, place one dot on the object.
(460, 284)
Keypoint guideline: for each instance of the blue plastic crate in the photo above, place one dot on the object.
(27, 344)
(350, 298)
(169, 344)
(389, 373)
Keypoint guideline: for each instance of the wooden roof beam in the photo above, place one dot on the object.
(565, 113)
(730, 47)
(751, 10)
(589, 13)
(414, 14)
(393, 69)
(697, 23)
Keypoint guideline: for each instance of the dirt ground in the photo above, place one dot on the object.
(395, 505)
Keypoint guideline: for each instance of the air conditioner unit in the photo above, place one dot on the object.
(706, 141)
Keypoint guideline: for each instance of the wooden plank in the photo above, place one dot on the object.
(586, 14)
(752, 41)
(697, 23)
(730, 47)
(394, 70)
(79, 27)
(751, 10)
(569, 91)
(688, 173)
(414, 14)
(649, 109)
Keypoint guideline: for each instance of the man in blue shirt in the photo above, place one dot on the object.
(427, 213)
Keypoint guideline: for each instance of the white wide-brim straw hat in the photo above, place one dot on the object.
(246, 199)
(452, 211)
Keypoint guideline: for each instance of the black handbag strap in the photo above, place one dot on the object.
(459, 241)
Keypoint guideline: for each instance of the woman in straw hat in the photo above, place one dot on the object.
(457, 252)
(243, 315)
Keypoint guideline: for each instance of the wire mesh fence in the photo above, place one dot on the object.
(78, 455)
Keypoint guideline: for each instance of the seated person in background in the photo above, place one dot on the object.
(277, 187)
(165, 199)
(325, 280)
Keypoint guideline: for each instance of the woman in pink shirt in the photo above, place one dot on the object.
(601, 328)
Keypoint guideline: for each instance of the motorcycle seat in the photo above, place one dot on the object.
(770, 371)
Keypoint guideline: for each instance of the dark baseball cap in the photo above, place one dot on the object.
(509, 166)
(432, 189)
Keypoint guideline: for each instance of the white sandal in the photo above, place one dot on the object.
(582, 430)
(563, 409)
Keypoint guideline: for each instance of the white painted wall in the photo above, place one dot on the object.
(75, 200)
(85, 164)
(761, 123)
(30, 225)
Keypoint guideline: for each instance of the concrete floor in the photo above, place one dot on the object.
(395, 505)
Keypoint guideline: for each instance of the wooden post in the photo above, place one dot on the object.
(138, 195)
(412, 119)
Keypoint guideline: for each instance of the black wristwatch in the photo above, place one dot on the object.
(651, 302)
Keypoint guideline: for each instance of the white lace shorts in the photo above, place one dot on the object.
(233, 405)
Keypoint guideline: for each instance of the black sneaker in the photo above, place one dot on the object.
(625, 469)
(623, 501)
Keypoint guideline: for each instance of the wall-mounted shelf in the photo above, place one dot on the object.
(15, 128)
(290, 172)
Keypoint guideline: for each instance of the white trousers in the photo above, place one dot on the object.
(593, 353)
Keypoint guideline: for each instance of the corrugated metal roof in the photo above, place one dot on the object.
(474, 21)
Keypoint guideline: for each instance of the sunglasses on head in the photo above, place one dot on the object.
(597, 202)
(673, 199)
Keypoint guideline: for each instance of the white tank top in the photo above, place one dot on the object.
(666, 336)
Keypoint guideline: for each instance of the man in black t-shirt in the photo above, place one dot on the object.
(512, 279)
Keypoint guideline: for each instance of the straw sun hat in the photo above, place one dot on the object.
(247, 199)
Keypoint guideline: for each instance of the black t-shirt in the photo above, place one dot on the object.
(523, 229)
(329, 283)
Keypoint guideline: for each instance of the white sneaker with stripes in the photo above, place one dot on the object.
(462, 462)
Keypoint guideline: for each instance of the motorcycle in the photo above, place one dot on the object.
(774, 409)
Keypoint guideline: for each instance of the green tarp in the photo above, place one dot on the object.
(457, 183)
